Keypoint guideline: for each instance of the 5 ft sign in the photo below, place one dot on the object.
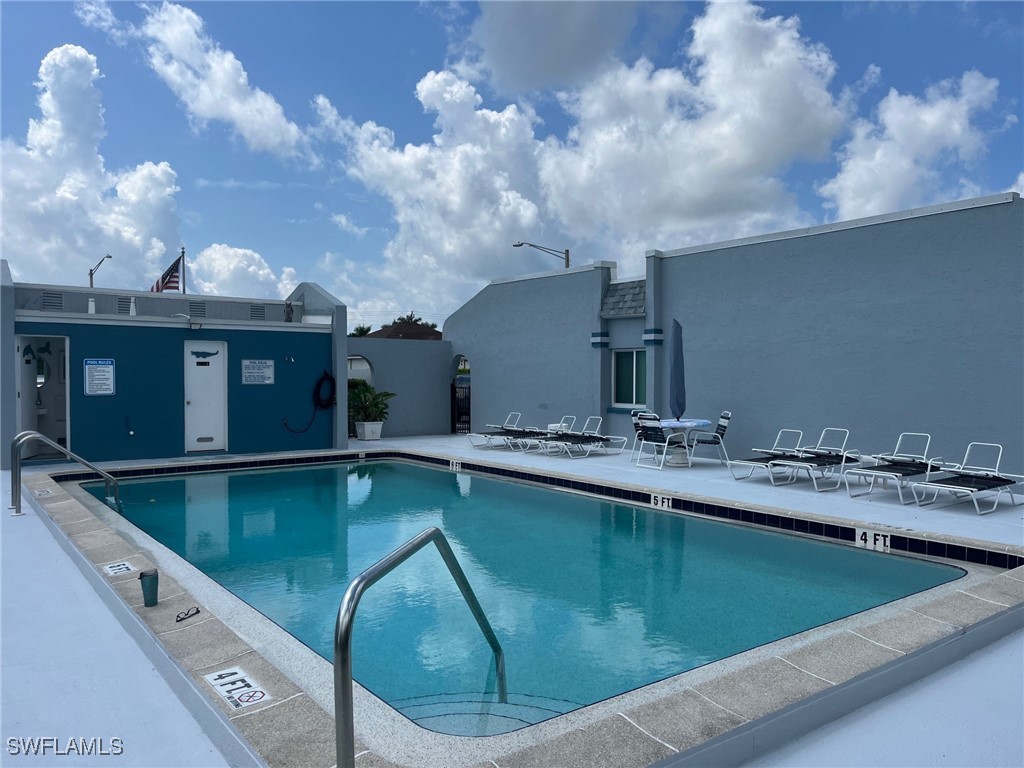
(868, 539)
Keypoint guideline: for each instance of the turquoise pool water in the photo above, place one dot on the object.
(588, 598)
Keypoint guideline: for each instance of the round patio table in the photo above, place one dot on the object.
(678, 458)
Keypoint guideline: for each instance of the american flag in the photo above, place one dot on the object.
(171, 279)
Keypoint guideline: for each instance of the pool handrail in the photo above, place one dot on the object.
(344, 726)
(24, 437)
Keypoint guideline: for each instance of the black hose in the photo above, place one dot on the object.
(322, 400)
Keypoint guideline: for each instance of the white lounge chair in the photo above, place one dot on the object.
(972, 479)
(787, 443)
(909, 459)
(822, 462)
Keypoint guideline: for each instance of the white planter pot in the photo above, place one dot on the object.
(368, 430)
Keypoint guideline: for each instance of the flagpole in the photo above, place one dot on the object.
(183, 291)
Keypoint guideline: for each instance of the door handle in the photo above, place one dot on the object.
(188, 402)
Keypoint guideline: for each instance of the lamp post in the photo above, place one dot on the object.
(560, 254)
(95, 269)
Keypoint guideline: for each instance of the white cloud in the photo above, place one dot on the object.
(1018, 185)
(224, 270)
(665, 159)
(345, 224)
(899, 160)
(459, 201)
(212, 84)
(96, 14)
(63, 210)
(526, 46)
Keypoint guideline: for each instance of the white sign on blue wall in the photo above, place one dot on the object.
(257, 371)
(99, 376)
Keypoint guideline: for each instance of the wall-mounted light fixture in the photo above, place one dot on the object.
(560, 254)
(194, 325)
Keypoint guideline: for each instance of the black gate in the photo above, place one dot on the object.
(460, 408)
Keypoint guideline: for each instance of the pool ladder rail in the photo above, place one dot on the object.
(344, 727)
(109, 481)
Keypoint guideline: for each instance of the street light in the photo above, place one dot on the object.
(95, 269)
(560, 254)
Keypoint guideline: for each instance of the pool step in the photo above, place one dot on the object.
(476, 714)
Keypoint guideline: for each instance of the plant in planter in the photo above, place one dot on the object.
(369, 410)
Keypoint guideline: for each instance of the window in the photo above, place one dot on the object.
(629, 377)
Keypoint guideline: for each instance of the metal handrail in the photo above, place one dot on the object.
(28, 435)
(344, 728)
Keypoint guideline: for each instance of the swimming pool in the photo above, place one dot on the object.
(589, 598)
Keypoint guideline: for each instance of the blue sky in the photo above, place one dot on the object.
(393, 151)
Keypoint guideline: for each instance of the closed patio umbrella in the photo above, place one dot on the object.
(676, 373)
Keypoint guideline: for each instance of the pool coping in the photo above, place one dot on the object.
(626, 730)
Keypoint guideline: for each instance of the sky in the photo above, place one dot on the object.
(392, 152)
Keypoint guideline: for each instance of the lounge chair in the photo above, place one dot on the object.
(511, 421)
(716, 438)
(972, 479)
(908, 460)
(508, 437)
(787, 443)
(661, 442)
(824, 461)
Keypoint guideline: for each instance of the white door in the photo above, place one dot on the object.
(206, 395)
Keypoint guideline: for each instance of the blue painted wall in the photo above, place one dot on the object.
(149, 397)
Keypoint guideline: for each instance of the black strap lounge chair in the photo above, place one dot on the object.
(660, 442)
(512, 420)
(907, 461)
(716, 438)
(822, 462)
(787, 444)
(972, 479)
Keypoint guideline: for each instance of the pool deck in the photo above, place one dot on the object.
(128, 685)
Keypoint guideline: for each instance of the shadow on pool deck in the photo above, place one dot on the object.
(86, 635)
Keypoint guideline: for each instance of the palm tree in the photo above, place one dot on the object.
(361, 330)
(412, 318)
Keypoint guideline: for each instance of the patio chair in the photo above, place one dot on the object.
(635, 416)
(716, 438)
(824, 461)
(908, 460)
(972, 479)
(661, 442)
(787, 443)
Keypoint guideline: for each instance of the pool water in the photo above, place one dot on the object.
(589, 599)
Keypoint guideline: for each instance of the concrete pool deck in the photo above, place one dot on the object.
(617, 723)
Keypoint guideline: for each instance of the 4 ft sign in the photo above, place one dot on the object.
(868, 539)
(237, 688)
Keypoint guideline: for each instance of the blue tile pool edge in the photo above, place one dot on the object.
(830, 529)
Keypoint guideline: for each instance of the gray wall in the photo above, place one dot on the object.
(911, 325)
(419, 372)
(528, 346)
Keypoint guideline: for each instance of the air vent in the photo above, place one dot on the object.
(257, 311)
(53, 301)
(124, 305)
(197, 309)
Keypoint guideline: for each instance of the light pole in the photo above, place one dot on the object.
(560, 254)
(95, 269)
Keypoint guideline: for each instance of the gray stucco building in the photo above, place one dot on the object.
(912, 321)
